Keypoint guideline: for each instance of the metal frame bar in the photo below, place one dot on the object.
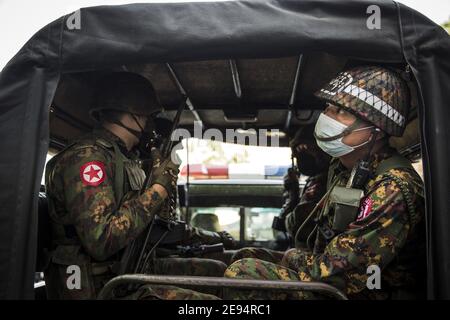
(183, 92)
(57, 143)
(238, 91)
(242, 225)
(106, 292)
(236, 79)
(293, 93)
(71, 120)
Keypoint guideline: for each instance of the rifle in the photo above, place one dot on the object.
(278, 221)
(139, 246)
(193, 250)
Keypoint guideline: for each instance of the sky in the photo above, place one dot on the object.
(26, 17)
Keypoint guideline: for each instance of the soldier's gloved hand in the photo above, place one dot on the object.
(166, 211)
(211, 237)
(227, 240)
(164, 172)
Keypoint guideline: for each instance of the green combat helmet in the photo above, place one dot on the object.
(126, 92)
(375, 94)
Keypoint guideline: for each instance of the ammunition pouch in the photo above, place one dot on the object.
(345, 202)
(72, 275)
(69, 274)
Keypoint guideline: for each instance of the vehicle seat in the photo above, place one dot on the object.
(206, 221)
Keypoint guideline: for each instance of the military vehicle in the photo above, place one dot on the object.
(240, 65)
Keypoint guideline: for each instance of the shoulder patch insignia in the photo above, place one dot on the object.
(366, 209)
(92, 173)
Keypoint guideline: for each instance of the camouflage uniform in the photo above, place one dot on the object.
(385, 234)
(94, 216)
(388, 230)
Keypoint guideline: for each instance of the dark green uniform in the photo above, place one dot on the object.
(96, 211)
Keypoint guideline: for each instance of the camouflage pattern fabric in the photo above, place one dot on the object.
(90, 226)
(189, 266)
(158, 292)
(291, 258)
(375, 94)
(80, 184)
(258, 253)
(250, 268)
(226, 256)
(385, 234)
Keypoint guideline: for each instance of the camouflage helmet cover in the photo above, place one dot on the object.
(126, 92)
(374, 94)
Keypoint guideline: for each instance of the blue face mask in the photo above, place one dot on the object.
(327, 127)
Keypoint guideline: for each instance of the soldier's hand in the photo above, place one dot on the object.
(167, 209)
(227, 240)
(164, 172)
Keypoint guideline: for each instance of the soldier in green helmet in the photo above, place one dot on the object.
(372, 214)
(95, 204)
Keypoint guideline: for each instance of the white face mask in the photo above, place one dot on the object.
(328, 127)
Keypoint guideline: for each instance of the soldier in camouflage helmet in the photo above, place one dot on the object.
(373, 210)
(95, 204)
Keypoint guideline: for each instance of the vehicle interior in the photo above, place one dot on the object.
(267, 93)
(274, 93)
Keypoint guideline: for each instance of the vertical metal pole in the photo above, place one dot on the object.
(242, 225)
(186, 195)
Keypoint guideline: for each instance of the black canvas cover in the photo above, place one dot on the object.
(110, 36)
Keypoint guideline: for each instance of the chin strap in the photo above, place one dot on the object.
(134, 132)
(375, 132)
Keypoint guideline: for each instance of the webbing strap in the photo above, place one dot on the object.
(118, 174)
(394, 162)
(399, 162)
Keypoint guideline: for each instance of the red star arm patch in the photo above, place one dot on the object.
(92, 173)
